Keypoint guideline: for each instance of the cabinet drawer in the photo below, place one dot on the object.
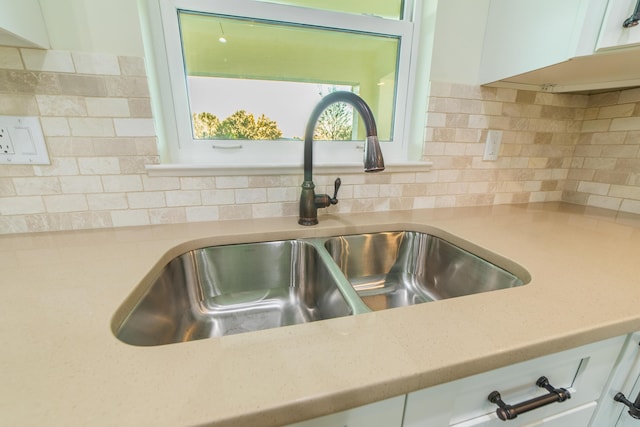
(386, 413)
(583, 371)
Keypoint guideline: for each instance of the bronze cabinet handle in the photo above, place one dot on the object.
(633, 20)
(509, 412)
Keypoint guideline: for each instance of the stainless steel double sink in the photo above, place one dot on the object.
(230, 289)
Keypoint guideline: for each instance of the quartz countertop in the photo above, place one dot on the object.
(61, 365)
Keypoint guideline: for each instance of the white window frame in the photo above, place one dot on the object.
(169, 93)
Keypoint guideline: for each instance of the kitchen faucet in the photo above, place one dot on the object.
(373, 161)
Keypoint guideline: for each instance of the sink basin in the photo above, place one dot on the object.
(395, 269)
(224, 290)
(230, 289)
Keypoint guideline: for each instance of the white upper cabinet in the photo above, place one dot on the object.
(560, 46)
(613, 34)
(525, 35)
(22, 24)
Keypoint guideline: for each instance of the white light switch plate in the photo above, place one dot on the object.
(492, 145)
(22, 141)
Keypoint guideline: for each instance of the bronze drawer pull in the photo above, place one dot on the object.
(634, 407)
(509, 412)
(633, 20)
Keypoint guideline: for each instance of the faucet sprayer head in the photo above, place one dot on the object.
(373, 160)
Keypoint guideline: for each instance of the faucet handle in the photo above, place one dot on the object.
(336, 186)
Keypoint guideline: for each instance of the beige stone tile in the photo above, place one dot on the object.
(132, 66)
(600, 163)
(626, 123)
(202, 213)
(29, 82)
(66, 203)
(140, 107)
(114, 146)
(59, 146)
(36, 186)
(107, 107)
(251, 195)
(506, 95)
(160, 183)
(95, 63)
(91, 126)
(6, 187)
(403, 177)
(284, 194)
(232, 182)
(80, 184)
(602, 138)
(632, 206)
(146, 199)
(136, 164)
(604, 202)
(596, 125)
(82, 85)
(146, 146)
(620, 151)
(10, 58)
(557, 113)
(134, 127)
(625, 192)
(126, 86)
(107, 201)
(631, 95)
(614, 111)
(99, 165)
(55, 126)
(603, 99)
(183, 198)
(60, 166)
(526, 97)
(167, 215)
(122, 183)
(53, 105)
(218, 197)
(47, 60)
(235, 212)
(21, 205)
(126, 218)
(611, 177)
(84, 220)
(18, 105)
(594, 188)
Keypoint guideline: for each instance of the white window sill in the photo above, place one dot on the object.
(233, 170)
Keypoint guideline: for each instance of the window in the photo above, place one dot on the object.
(235, 81)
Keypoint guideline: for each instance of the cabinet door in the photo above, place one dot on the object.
(386, 413)
(623, 379)
(612, 33)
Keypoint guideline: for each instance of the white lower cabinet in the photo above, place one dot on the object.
(583, 371)
(626, 380)
(386, 413)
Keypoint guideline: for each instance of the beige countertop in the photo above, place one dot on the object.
(60, 364)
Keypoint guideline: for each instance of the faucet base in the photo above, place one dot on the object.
(308, 221)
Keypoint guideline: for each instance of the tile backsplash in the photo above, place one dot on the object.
(96, 117)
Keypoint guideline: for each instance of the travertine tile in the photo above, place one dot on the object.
(81, 184)
(107, 201)
(146, 199)
(47, 60)
(107, 107)
(36, 186)
(91, 126)
(21, 205)
(95, 63)
(66, 203)
(10, 59)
